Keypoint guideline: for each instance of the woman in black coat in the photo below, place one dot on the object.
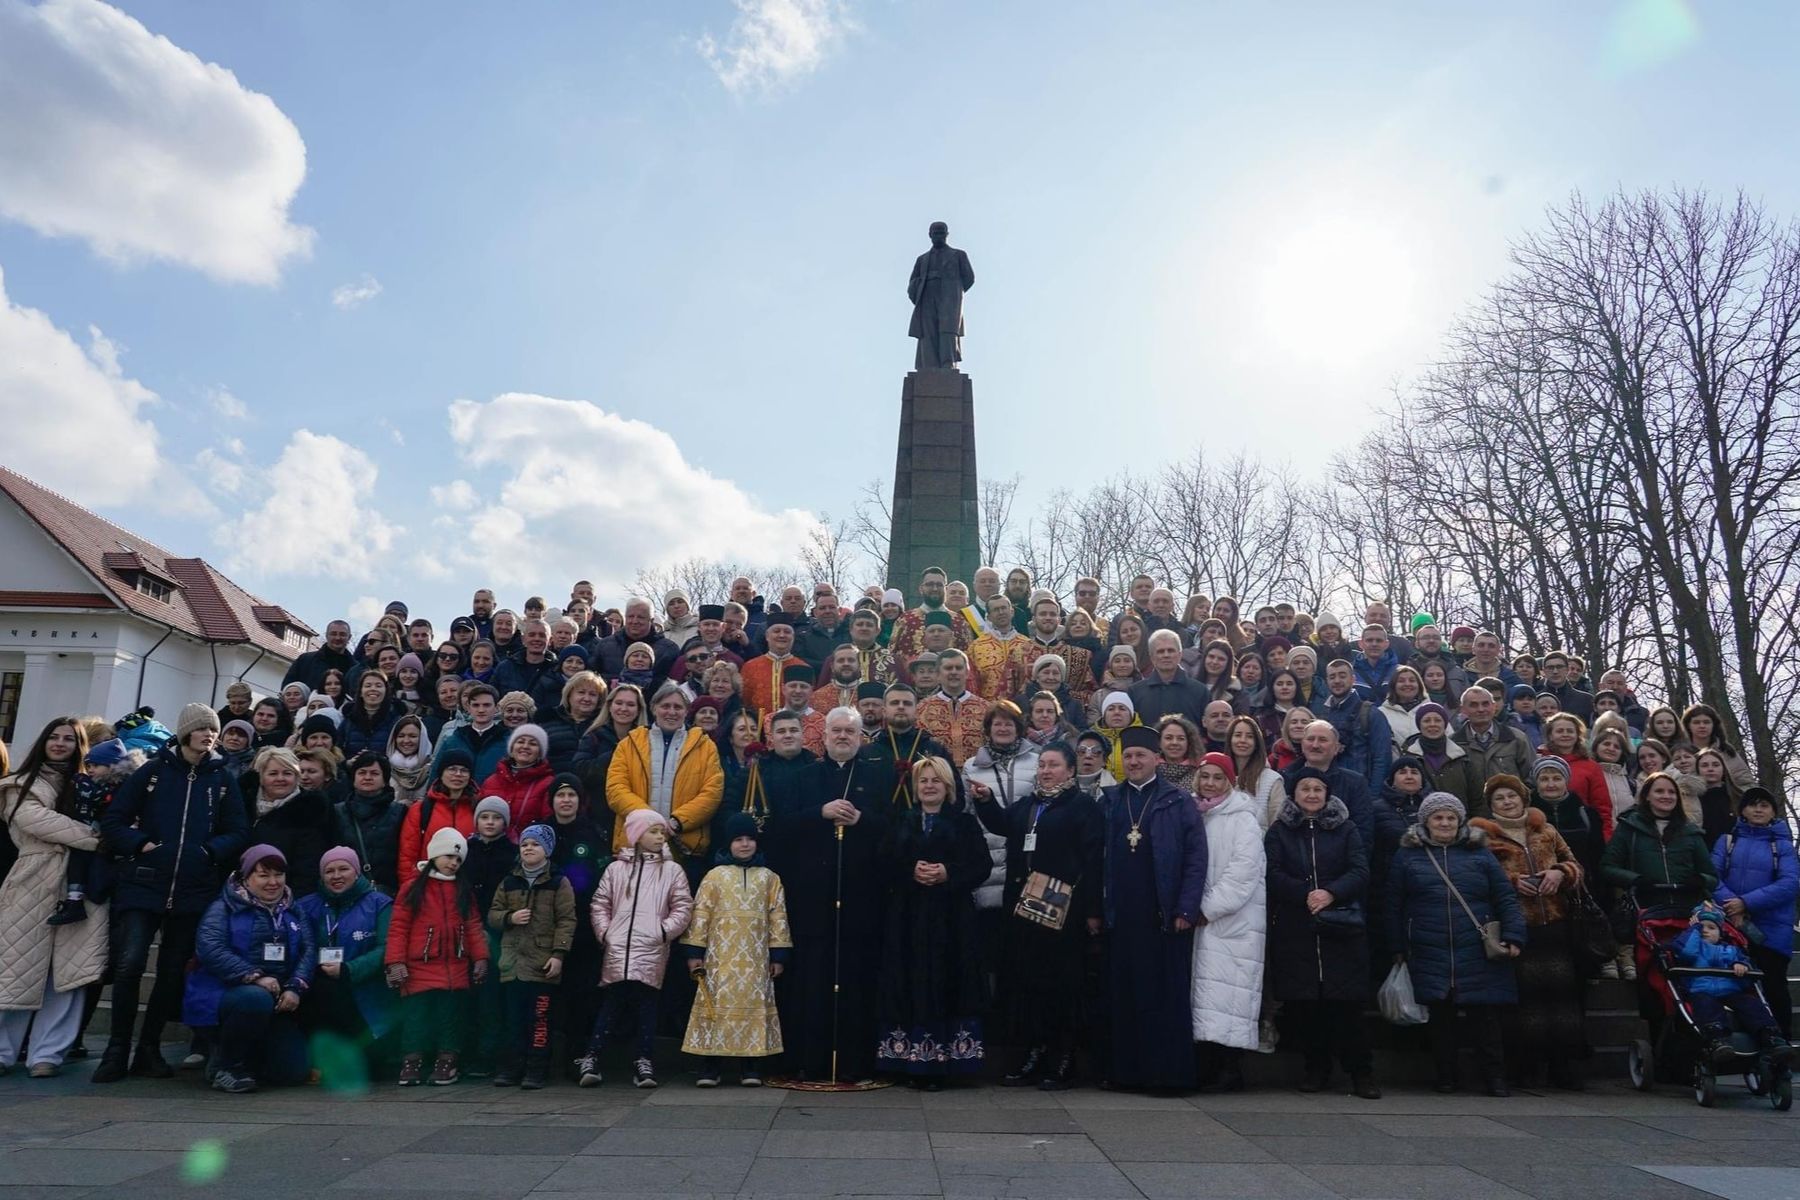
(1319, 965)
(1057, 831)
(368, 820)
(296, 822)
(929, 988)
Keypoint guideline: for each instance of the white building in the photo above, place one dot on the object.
(95, 620)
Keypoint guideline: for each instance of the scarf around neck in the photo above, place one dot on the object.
(1515, 828)
(665, 757)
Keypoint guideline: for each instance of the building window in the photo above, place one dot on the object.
(11, 684)
(293, 637)
(156, 589)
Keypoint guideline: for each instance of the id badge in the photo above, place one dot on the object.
(331, 955)
(274, 952)
(1030, 842)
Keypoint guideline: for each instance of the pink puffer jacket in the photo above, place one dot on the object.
(641, 906)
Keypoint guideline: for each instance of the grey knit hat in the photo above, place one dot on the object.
(1550, 762)
(1442, 802)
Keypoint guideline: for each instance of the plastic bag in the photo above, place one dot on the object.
(1395, 999)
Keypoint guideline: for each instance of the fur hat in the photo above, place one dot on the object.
(193, 717)
(638, 821)
(1496, 782)
(1442, 802)
(447, 841)
(542, 834)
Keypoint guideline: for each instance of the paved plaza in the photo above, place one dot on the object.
(140, 1140)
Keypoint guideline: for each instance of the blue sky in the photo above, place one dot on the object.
(626, 282)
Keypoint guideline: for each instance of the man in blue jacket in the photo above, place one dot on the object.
(1368, 745)
(176, 825)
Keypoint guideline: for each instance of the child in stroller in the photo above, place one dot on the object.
(1713, 1000)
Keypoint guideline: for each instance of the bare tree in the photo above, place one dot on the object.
(996, 498)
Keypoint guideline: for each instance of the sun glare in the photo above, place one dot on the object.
(1335, 289)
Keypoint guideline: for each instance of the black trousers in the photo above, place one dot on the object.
(1483, 1031)
(132, 933)
(1774, 966)
(530, 1020)
(1331, 1028)
(627, 1009)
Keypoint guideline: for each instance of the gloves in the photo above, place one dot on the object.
(396, 975)
(479, 972)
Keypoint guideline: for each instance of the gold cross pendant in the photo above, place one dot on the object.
(1133, 838)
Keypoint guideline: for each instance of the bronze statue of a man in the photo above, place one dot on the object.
(939, 278)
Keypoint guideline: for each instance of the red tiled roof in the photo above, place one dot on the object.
(56, 600)
(205, 604)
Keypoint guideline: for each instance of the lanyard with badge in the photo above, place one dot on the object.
(332, 954)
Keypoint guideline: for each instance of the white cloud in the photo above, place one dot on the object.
(628, 499)
(226, 404)
(221, 470)
(347, 296)
(75, 422)
(772, 43)
(316, 519)
(456, 496)
(116, 135)
(364, 611)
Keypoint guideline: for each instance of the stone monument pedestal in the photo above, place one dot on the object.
(936, 509)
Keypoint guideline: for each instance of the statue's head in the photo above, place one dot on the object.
(940, 233)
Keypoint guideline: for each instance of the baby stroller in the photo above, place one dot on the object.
(1675, 1035)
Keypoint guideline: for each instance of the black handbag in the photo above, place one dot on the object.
(1592, 928)
(1340, 920)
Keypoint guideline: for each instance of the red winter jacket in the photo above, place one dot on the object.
(526, 791)
(437, 943)
(424, 818)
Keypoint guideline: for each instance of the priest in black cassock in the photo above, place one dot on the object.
(778, 770)
(848, 789)
(901, 743)
(1155, 881)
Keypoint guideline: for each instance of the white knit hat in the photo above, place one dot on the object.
(447, 841)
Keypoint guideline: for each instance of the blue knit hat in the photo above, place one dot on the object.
(543, 835)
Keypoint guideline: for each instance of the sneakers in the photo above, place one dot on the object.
(235, 1084)
(750, 1077)
(587, 1071)
(709, 1078)
(150, 1064)
(1609, 969)
(1627, 969)
(411, 1068)
(193, 1061)
(44, 1071)
(443, 1071)
(537, 1076)
(68, 912)
(1266, 1036)
(643, 1074)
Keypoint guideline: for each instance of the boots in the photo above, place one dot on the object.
(1061, 1075)
(507, 1073)
(411, 1068)
(1565, 1074)
(68, 912)
(1778, 1048)
(1226, 1073)
(1363, 1087)
(1496, 1085)
(443, 1071)
(537, 1071)
(1028, 1069)
(115, 1062)
(150, 1064)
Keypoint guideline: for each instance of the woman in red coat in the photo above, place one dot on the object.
(449, 803)
(523, 778)
(1566, 737)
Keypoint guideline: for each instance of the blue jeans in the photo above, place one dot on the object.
(256, 1040)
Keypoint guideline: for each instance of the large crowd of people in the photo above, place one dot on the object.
(988, 833)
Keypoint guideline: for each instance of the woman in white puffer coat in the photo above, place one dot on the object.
(1228, 944)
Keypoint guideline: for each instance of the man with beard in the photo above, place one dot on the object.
(842, 678)
(871, 706)
(902, 743)
(830, 828)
